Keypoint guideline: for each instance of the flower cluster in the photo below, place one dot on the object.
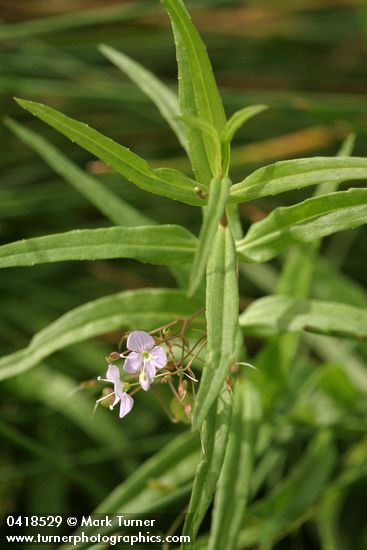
(177, 348)
(143, 359)
(173, 351)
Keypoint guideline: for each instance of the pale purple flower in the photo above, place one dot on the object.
(144, 357)
(126, 401)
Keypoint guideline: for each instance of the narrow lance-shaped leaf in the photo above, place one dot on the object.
(220, 151)
(110, 204)
(160, 466)
(304, 222)
(332, 285)
(239, 118)
(345, 150)
(197, 153)
(208, 102)
(162, 96)
(296, 174)
(206, 128)
(297, 276)
(144, 308)
(160, 245)
(166, 182)
(55, 459)
(294, 497)
(280, 314)
(53, 389)
(214, 436)
(75, 19)
(175, 451)
(218, 195)
(222, 304)
(234, 485)
(297, 273)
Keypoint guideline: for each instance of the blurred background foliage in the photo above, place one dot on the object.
(306, 59)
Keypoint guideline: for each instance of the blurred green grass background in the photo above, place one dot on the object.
(306, 59)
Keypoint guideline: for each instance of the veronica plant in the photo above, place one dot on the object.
(227, 408)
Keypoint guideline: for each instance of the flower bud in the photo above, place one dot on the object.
(182, 388)
(106, 403)
(114, 356)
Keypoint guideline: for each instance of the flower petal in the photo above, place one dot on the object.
(133, 363)
(138, 340)
(126, 405)
(145, 380)
(113, 374)
(117, 399)
(150, 369)
(158, 357)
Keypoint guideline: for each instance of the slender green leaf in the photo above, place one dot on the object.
(214, 437)
(296, 279)
(156, 498)
(264, 276)
(303, 487)
(158, 465)
(293, 497)
(209, 130)
(218, 195)
(222, 304)
(55, 389)
(166, 182)
(200, 123)
(345, 150)
(143, 309)
(72, 20)
(307, 221)
(232, 495)
(343, 353)
(334, 286)
(165, 244)
(297, 273)
(331, 506)
(197, 153)
(279, 314)
(220, 149)
(58, 461)
(164, 467)
(328, 518)
(111, 205)
(207, 99)
(209, 103)
(118, 211)
(239, 118)
(162, 96)
(296, 174)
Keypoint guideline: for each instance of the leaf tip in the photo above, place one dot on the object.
(190, 293)
(192, 288)
(22, 102)
(104, 48)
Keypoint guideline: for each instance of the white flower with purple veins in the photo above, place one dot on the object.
(126, 401)
(144, 358)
